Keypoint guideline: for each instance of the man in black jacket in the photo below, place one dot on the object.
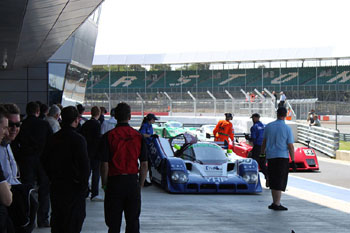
(31, 141)
(66, 162)
(91, 130)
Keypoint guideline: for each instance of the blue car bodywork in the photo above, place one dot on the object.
(201, 167)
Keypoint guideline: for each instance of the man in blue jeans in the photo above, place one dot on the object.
(278, 141)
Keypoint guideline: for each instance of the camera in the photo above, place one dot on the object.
(4, 64)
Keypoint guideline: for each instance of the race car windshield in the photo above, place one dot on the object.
(210, 128)
(174, 124)
(209, 154)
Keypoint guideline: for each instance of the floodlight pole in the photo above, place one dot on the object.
(213, 97)
(138, 95)
(171, 103)
(232, 99)
(194, 102)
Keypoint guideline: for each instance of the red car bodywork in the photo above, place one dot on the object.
(305, 158)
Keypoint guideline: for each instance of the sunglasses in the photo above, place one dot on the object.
(14, 124)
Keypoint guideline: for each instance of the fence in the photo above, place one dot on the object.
(322, 139)
(200, 107)
(344, 137)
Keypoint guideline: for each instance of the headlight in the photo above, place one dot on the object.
(175, 176)
(250, 178)
(179, 177)
(253, 177)
(246, 178)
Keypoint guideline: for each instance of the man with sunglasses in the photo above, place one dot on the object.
(7, 159)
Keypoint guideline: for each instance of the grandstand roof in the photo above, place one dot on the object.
(239, 56)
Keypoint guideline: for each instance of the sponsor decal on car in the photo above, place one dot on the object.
(216, 179)
(213, 168)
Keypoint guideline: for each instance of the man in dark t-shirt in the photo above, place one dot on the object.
(121, 149)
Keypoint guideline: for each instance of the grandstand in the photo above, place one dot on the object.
(312, 82)
(318, 74)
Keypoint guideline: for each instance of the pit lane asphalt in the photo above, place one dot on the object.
(174, 213)
(332, 172)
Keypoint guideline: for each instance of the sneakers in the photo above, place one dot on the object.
(96, 199)
(277, 207)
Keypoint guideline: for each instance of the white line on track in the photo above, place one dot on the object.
(319, 199)
(329, 160)
(318, 182)
(316, 198)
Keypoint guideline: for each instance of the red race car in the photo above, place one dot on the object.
(305, 157)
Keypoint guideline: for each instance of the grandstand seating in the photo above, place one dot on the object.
(157, 81)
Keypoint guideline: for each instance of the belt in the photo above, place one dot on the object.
(224, 134)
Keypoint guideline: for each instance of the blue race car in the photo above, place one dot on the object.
(201, 167)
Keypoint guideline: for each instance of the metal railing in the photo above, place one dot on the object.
(319, 138)
(344, 137)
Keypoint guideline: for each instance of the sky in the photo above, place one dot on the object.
(167, 26)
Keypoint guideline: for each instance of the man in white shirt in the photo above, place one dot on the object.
(52, 118)
(282, 99)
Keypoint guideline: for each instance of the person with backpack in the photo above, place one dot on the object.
(224, 129)
(121, 149)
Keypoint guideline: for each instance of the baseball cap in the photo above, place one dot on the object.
(151, 116)
(255, 115)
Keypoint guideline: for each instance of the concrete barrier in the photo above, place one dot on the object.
(343, 155)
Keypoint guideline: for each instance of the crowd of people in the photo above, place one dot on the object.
(272, 145)
(48, 155)
(47, 158)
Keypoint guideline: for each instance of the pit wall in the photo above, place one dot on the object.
(340, 118)
(240, 124)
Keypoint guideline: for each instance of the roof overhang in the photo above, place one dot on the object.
(32, 30)
(239, 56)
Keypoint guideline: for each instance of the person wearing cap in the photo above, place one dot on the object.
(146, 130)
(224, 129)
(257, 137)
(278, 141)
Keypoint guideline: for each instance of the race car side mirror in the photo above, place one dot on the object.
(207, 135)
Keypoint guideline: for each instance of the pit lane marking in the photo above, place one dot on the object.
(329, 160)
(321, 183)
(319, 199)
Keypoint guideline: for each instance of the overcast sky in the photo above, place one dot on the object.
(166, 26)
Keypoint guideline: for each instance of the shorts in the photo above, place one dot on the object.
(278, 170)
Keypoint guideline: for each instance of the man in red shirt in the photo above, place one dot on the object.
(224, 129)
(121, 149)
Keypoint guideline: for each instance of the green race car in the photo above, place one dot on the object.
(171, 129)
